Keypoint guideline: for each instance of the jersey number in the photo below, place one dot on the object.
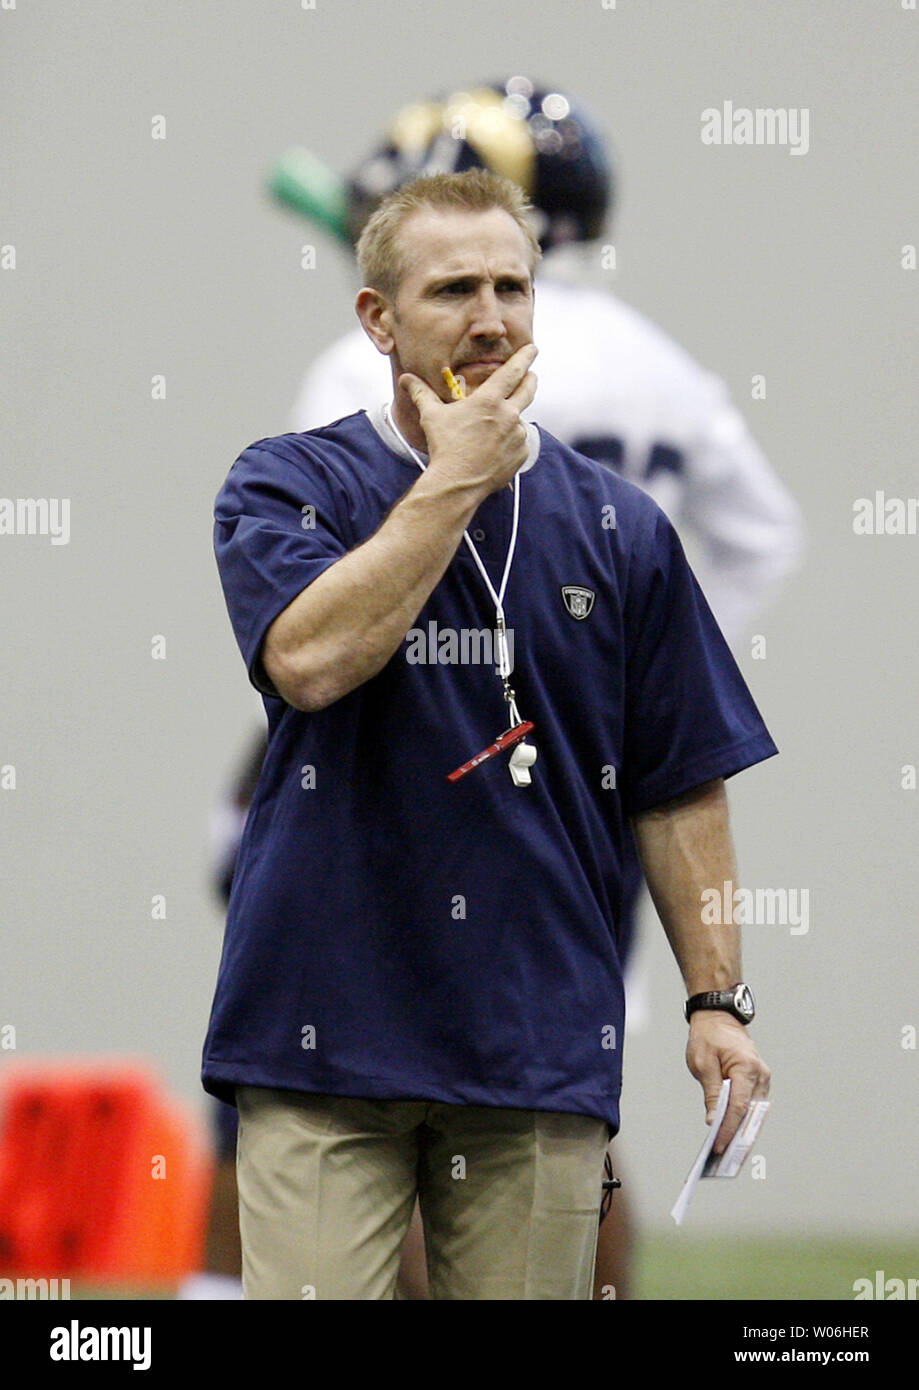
(610, 451)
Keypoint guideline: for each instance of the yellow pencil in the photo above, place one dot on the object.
(455, 385)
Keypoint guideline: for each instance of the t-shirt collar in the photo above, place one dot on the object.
(377, 418)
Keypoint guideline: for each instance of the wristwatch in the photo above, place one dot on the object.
(738, 1000)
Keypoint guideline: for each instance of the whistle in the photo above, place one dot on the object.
(521, 760)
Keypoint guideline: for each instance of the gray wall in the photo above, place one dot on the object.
(137, 256)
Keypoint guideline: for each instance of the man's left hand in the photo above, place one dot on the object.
(720, 1047)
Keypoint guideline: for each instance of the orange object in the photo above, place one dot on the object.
(455, 384)
(103, 1174)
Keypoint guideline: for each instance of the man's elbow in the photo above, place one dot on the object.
(296, 678)
(314, 674)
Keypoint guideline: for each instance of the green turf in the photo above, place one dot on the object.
(675, 1266)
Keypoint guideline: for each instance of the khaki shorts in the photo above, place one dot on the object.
(510, 1199)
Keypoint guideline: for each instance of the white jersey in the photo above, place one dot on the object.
(614, 386)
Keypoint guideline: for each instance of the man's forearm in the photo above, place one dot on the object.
(345, 626)
(685, 847)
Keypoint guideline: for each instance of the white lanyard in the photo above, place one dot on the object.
(523, 755)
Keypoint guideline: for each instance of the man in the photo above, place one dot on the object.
(420, 986)
(613, 385)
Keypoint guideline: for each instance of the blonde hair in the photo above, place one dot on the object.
(379, 254)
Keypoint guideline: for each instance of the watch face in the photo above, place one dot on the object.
(743, 1001)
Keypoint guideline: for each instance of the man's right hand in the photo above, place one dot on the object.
(481, 440)
(343, 627)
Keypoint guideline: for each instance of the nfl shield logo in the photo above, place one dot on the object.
(578, 601)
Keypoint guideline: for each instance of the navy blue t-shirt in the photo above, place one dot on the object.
(394, 935)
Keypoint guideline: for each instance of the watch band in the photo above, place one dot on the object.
(738, 1001)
